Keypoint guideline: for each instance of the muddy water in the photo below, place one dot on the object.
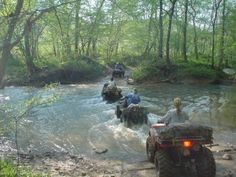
(80, 121)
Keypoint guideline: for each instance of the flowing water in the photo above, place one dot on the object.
(79, 121)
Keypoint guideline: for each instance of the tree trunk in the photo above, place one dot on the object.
(160, 47)
(216, 6)
(28, 56)
(77, 27)
(185, 31)
(94, 48)
(169, 32)
(4, 58)
(7, 46)
(93, 28)
(222, 40)
(195, 39)
(148, 46)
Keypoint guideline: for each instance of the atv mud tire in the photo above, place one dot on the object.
(150, 150)
(205, 164)
(164, 164)
(118, 111)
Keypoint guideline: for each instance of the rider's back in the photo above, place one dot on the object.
(175, 116)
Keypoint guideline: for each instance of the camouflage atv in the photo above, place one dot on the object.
(132, 115)
(181, 148)
(111, 94)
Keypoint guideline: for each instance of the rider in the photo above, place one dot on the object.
(175, 115)
(111, 84)
(132, 98)
(119, 66)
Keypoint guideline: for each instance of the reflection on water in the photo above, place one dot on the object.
(79, 121)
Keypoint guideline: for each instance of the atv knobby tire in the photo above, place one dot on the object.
(205, 164)
(118, 111)
(150, 150)
(164, 164)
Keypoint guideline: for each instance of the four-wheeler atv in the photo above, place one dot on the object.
(132, 115)
(181, 148)
(111, 94)
(118, 72)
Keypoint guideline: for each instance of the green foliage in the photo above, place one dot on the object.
(112, 32)
(16, 68)
(12, 113)
(196, 70)
(48, 62)
(85, 66)
(8, 170)
(145, 71)
(149, 69)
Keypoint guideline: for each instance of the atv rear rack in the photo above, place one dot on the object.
(178, 141)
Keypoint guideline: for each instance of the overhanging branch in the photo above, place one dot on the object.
(33, 18)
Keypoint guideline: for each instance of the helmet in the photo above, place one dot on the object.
(177, 102)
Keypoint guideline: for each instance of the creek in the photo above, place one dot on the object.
(79, 121)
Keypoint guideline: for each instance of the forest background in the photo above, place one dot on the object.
(68, 41)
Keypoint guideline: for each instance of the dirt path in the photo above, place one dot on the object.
(64, 164)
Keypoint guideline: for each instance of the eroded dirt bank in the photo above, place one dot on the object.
(65, 164)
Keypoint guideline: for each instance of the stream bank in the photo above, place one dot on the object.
(56, 164)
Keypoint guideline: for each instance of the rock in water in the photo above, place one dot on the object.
(101, 151)
(227, 157)
(229, 71)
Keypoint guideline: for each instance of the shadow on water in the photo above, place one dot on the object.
(80, 121)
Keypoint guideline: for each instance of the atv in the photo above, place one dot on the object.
(132, 115)
(181, 148)
(111, 94)
(118, 73)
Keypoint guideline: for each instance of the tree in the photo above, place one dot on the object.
(92, 29)
(160, 46)
(216, 5)
(222, 39)
(195, 38)
(77, 9)
(185, 30)
(8, 42)
(28, 52)
(151, 38)
(170, 13)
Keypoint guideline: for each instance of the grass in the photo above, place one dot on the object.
(8, 170)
